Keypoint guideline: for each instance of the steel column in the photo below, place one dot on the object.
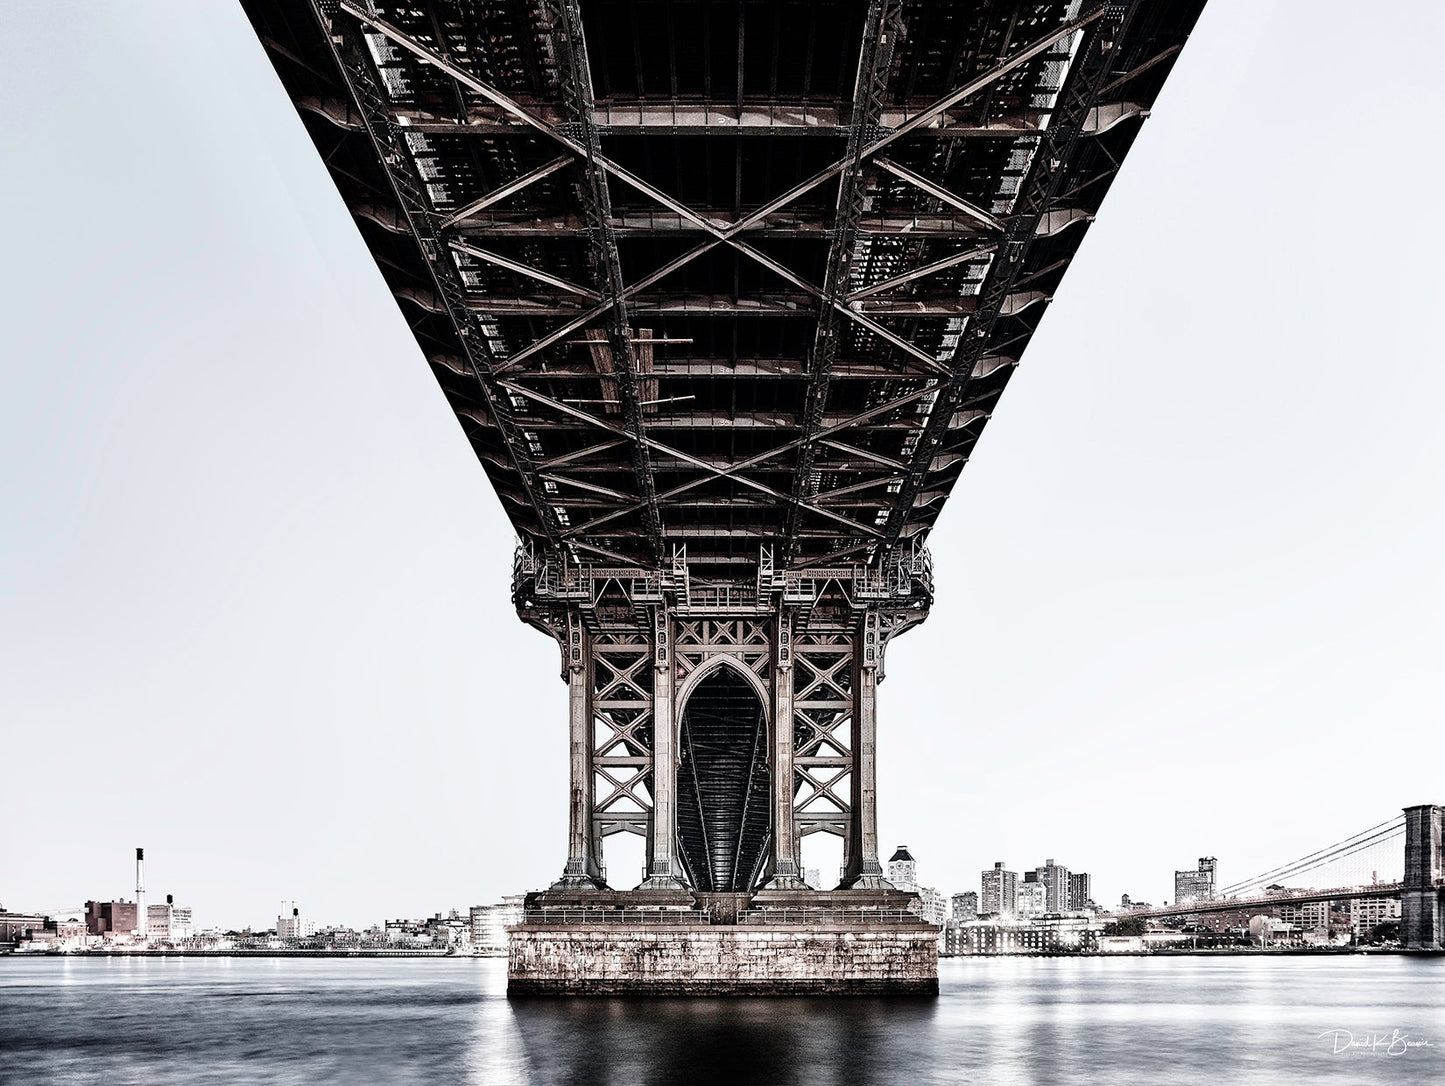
(864, 872)
(662, 871)
(582, 868)
(786, 872)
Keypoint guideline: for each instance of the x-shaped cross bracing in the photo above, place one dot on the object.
(730, 470)
(721, 231)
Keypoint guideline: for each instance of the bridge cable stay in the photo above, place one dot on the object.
(1351, 846)
(1355, 852)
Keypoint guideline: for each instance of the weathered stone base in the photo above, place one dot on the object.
(1422, 919)
(695, 958)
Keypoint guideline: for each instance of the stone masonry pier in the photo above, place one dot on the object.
(837, 946)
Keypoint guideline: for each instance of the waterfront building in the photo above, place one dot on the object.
(1196, 885)
(490, 923)
(1055, 935)
(903, 869)
(814, 878)
(1081, 892)
(1000, 892)
(453, 931)
(965, 906)
(291, 925)
(158, 923)
(17, 926)
(1368, 913)
(169, 922)
(1307, 915)
(111, 918)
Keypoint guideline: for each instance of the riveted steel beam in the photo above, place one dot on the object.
(1077, 96)
(882, 27)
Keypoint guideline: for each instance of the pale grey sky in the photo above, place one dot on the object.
(254, 587)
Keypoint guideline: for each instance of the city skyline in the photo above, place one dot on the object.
(254, 583)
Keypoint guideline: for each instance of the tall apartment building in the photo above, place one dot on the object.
(1000, 892)
(1055, 880)
(1081, 891)
(1196, 885)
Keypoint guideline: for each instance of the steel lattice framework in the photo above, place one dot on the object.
(723, 294)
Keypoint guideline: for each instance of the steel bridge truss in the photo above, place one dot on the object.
(635, 645)
(675, 298)
(723, 295)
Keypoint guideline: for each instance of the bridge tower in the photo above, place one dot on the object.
(1422, 892)
(722, 721)
(723, 297)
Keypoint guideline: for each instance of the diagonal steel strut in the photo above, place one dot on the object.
(576, 79)
(881, 30)
(718, 230)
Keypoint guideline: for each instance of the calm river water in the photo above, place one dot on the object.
(998, 1021)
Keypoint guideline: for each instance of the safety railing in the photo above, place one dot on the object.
(561, 916)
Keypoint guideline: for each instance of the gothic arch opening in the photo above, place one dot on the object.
(723, 809)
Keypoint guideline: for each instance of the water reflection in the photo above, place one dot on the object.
(997, 1021)
(736, 1040)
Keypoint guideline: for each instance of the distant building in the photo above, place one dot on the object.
(988, 937)
(1000, 892)
(453, 931)
(291, 925)
(1306, 916)
(169, 922)
(1196, 885)
(70, 932)
(932, 905)
(814, 878)
(490, 922)
(903, 869)
(1081, 891)
(111, 917)
(158, 923)
(1055, 880)
(183, 924)
(17, 926)
(965, 906)
(1032, 899)
(1368, 913)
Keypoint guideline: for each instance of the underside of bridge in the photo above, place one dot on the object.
(723, 294)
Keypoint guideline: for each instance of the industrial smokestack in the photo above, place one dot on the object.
(140, 893)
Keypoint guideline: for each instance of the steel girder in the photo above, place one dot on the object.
(881, 30)
(867, 368)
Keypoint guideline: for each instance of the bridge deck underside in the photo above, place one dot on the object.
(722, 274)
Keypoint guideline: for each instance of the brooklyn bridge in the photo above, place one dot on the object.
(723, 295)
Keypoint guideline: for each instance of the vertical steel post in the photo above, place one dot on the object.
(786, 875)
(662, 840)
(864, 870)
(582, 868)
